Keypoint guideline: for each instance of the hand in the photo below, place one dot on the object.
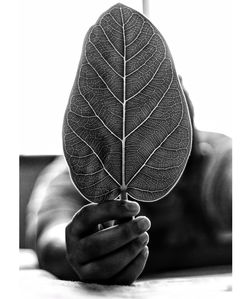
(114, 255)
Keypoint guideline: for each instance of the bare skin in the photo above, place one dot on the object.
(115, 254)
(108, 242)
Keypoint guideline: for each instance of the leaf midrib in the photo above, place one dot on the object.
(123, 186)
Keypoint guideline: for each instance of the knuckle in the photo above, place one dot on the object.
(83, 212)
(89, 208)
(87, 213)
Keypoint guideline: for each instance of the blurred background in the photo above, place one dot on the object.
(198, 34)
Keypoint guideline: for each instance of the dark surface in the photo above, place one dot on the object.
(29, 169)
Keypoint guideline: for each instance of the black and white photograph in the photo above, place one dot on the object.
(126, 120)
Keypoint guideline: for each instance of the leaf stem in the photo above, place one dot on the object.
(124, 195)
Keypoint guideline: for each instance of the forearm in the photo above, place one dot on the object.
(53, 203)
(51, 252)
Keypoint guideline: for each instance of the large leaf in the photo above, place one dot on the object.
(127, 127)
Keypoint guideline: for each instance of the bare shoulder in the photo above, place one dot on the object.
(217, 141)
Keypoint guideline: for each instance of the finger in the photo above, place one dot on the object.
(123, 220)
(133, 270)
(111, 239)
(88, 217)
(109, 265)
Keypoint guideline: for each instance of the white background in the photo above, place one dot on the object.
(197, 32)
(12, 87)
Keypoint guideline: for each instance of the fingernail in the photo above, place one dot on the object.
(132, 206)
(144, 238)
(143, 223)
(145, 251)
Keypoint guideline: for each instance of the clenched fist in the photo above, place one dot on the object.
(101, 254)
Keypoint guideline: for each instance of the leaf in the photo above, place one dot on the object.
(127, 127)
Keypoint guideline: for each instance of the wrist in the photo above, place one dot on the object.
(54, 234)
